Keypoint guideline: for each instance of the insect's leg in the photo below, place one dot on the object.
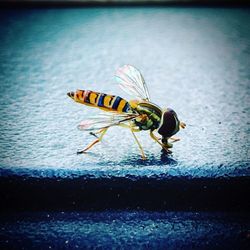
(156, 139)
(138, 143)
(95, 133)
(135, 129)
(103, 131)
(174, 139)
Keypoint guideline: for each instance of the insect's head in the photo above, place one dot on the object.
(170, 123)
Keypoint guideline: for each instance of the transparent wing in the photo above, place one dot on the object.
(105, 121)
(132, 82)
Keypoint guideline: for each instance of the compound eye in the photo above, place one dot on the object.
(171, 111)
(169, 124)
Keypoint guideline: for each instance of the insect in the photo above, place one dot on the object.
(137, 115)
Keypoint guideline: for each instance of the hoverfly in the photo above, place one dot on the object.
(136, 115)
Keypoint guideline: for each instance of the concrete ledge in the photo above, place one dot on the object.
(124, 230)
(20, 193)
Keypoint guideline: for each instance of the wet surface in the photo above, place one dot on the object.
(195, 60)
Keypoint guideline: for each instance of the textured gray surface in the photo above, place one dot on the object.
(124, 230)
(194, 60)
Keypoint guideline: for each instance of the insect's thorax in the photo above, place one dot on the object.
(151, 115)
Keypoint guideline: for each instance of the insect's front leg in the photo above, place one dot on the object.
(157, 140)
(103, 131)
(174, 139)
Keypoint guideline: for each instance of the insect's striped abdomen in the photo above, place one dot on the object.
(100, 100)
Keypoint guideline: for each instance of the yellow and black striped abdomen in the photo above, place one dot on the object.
(101, 100)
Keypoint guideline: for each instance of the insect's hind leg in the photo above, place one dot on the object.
(102, 131)
(95, 133)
